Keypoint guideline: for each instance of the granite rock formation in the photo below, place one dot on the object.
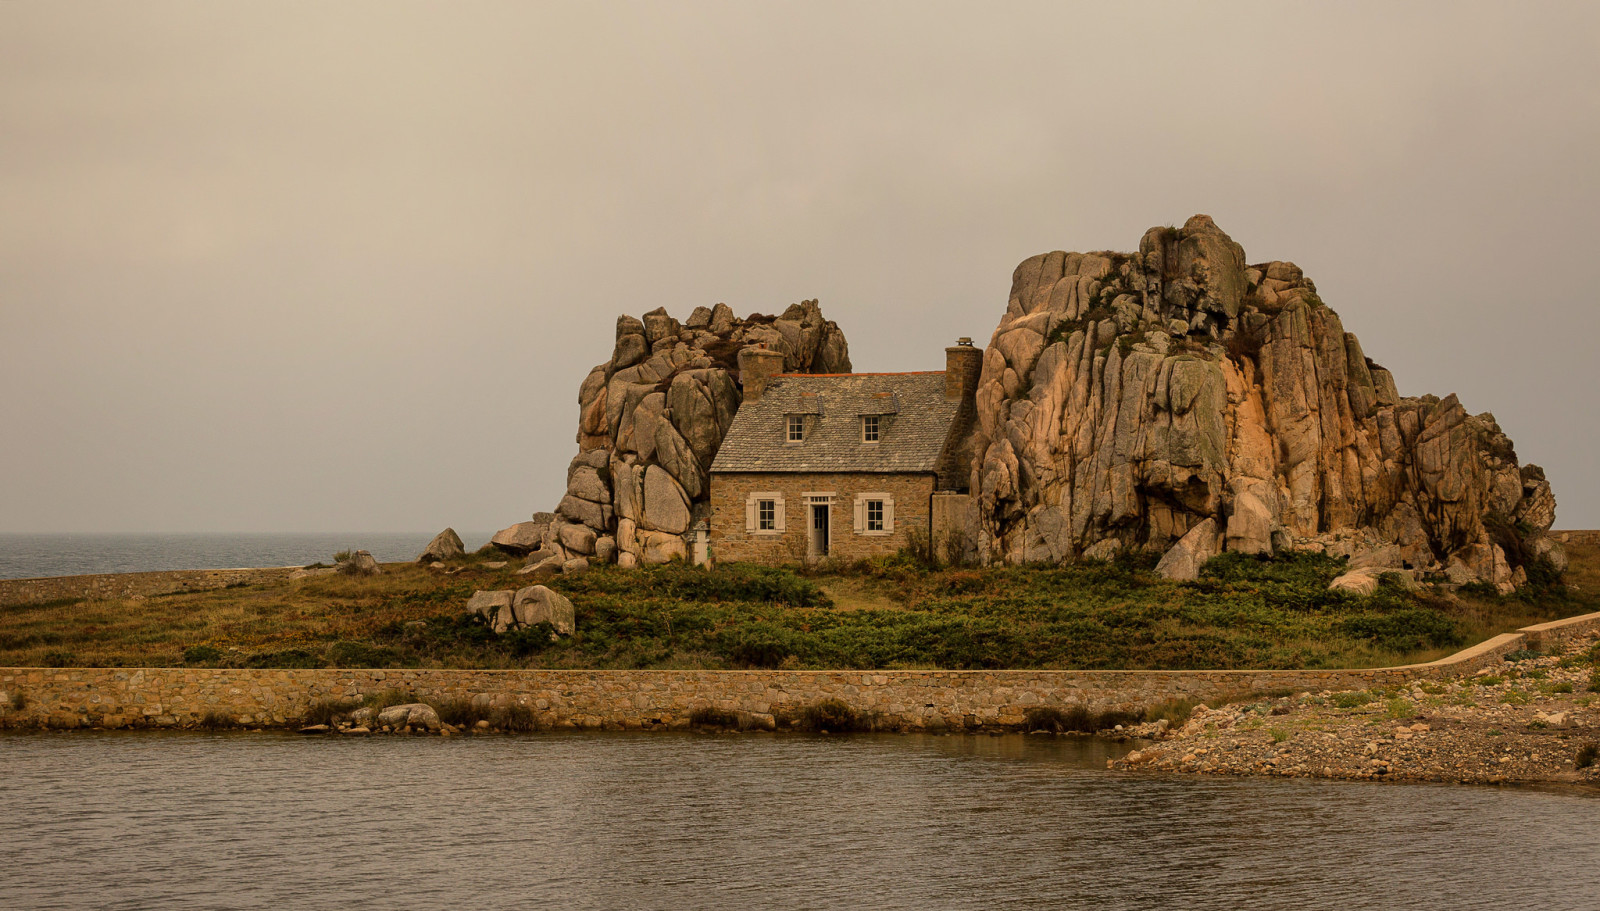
(1145, 401)
(650, 421)
(446, 545)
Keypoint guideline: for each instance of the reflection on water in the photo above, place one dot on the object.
(663, 821)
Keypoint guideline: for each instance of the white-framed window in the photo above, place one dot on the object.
(796, 429)
(763, 513)
(874, 514)
(869, 428)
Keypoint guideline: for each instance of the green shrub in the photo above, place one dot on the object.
(1398, 708)
(343, 555)
(1054, 720)
(323, 711)
(382, 699)
(1352, 699)
(515, 717)
(460, 712)
(1404, 629)
(764, 645)
(1562, 687)
(1587, 754)
(59, 659)
(1279, 735)
(350, 653)
(284, 658)
(1076, 719)
(201, 654)
(709, 717)
(1522, 654)
(831, 715)
(1175, 711)
(1489, 680)
(529, 640)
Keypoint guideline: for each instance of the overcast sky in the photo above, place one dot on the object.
(334, 267)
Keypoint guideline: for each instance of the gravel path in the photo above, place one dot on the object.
(1521, 721)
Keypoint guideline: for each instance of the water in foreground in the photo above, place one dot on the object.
(689, 822)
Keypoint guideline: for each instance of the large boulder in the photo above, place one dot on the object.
(1183, 561)
(578, 539)
(446, 545)
(656, 412)
(1361, 582)
(1127, 398)
(666, 505)
(360, 563)
(412, 714)
(494, 607)
(538, 604)
(521, 538)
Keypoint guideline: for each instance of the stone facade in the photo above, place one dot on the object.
(732, 542)
(906, 700)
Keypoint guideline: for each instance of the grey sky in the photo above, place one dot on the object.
(302, 267)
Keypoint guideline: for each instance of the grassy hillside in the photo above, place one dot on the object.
(882, 614)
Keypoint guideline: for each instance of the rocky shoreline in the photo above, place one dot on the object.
(1530, 718)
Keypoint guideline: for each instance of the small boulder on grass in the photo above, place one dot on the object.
(360, 563)
(446, 545)
(493, 607)
(537, 604)
(506, 610)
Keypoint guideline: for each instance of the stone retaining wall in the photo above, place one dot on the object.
(115, 586)
(164, 697)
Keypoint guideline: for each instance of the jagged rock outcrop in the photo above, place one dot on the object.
(1129, 398)
(651, 419)
(446, 545)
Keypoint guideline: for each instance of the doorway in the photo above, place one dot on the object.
(818, 542)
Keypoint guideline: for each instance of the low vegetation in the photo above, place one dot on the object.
(890, 613)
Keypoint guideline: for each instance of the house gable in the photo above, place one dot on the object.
(913, 415)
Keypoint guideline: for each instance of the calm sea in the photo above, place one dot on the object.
(662, 821)
(28, 556)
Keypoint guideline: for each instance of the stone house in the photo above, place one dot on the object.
(843, 466)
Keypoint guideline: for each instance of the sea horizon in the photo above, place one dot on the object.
(37, 555)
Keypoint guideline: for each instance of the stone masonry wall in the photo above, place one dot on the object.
(731, 543)
(117, 586)
(135, 697)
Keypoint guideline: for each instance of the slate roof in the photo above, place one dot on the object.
(915, 422)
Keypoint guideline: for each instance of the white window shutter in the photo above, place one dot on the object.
(778, 508)
(888, 514)
(750, 514)
(860, 515)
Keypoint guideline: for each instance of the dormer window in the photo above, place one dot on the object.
(869, 428)
(797, 428)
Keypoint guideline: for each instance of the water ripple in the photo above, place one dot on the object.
(685, 822)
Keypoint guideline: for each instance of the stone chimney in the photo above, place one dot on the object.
(757, 367)
(962, 366)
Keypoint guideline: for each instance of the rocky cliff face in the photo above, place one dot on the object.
(650, 421)
(1178, 400)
